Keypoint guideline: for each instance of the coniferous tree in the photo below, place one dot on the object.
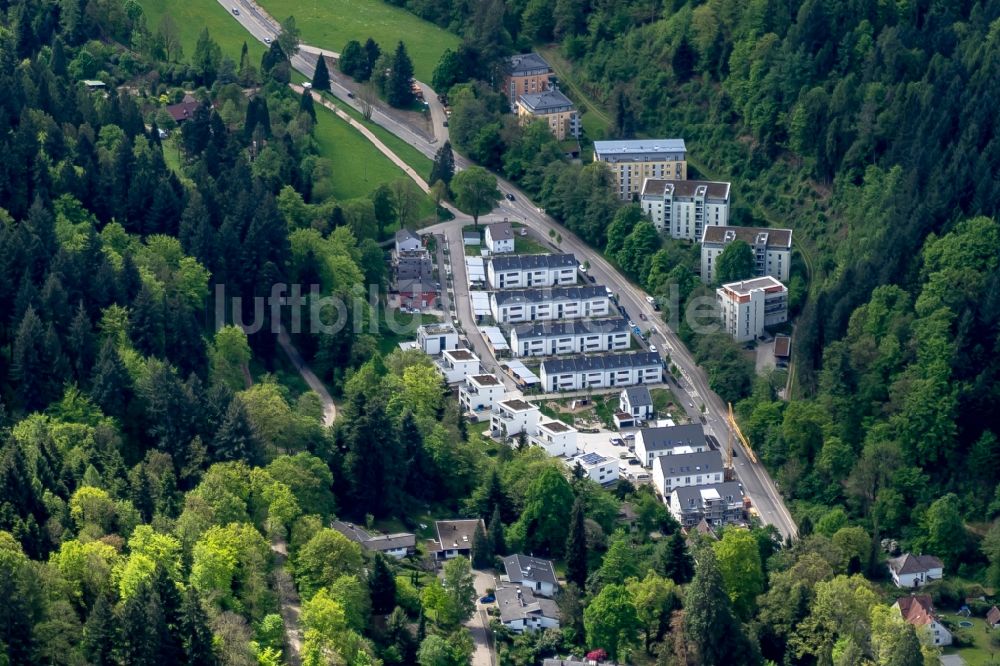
(321, 77)
(398, 636)
(482, 552)
(398, 92)
(146, 323)
(576, 547)
(142, 627)
(712, 632)
(419, 468)
(110, 384)
(443, 168)
(197, 637)
(306, 104)
(81, 346)
(381, 585)
(672, 559)
(171, 638)
(100, 633)
(494, 534)
(372, 53)
(236, 438)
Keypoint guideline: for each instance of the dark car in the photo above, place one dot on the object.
(488, 599)
(642, 316)
(633, 461)
(445, 123)
(351, 95)
(510, 197)
(592, 278)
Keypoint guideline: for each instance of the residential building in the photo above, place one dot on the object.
(910, 570)
(397, 545)
(772, 249)
(513, 416)
(524, 305)
(417, 292)
(436, 338)
(651, 443)
(685, 208)
(521, 610)
(554, 108)
(573, 661)
(526, 73)
(633, 161)
(636, 402)
(717, 504)
(782, 350)
(412, 264)
(454, 538)
(605, 371)
(457, 364)
(687, 469)
(500, 237)
(747, 307)
(480, 392)
(556, 437)
(918, 610)
(531, 572)
(596, 467)
(407, 241)
(525, 271)
(570, 337)
(993, 618)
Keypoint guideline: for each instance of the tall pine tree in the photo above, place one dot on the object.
(398, 92)
(494, 533)
(576, 547)
(713, 634)
(198, 646)
(321, 77)
(443, 168)
(381, 585)
(236, 438)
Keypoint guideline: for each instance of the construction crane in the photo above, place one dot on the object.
(735, 428)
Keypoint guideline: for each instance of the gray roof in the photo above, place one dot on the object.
(601, 362)
(572, 327)
(548, 100)
(351, 531)
(415, 285)
(523, 567)
(406, 234)
(501, 231)
(686, 189)
(548, 295)
(754, 236)
(457, 534)
(638, 148)
(518, 607)
(511, 262)
(375, 542)
(729, 491)
(701, 462)
(409, 267)
(669, 437)
(908, 563)
(524, 63)
(638, 396)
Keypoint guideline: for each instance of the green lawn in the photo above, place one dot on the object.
(981, 653)
(525, 245)
(191, 16)
(332, 23)
(408, 323)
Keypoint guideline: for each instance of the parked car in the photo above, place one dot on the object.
(652, 348)
(510, 197)
(236, 11)
(617, 441)
(307, 85)
(642, 316)
(633, 461)
(350, 95)
(488, 599)
(637, 331)
(445, 123)
(592, 279)
(267, 40)
(631, 324)
(650, 300)
(524, 232)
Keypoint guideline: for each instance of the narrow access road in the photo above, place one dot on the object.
(329, 408)
(288, 598)
(479, 624)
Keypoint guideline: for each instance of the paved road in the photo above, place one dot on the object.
(479, 623)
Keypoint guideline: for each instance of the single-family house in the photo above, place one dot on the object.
(454, 538)
(407, 241)
(918, 610)
(436, 338)
(536, 305)
(910, 570)
(570, 337)
(596, 467)
(524, 271)
(398, 545)
(556, 437)
(500, 237)
(532, 572)
(458, 364)
(636, 402)
(993, 618)
(417, 292)
(480, 393)
(183, 110)
(686, 469)
(653, 442)
(513, 416)
(413, 264)
(521, 610)
(717, 504)
(576, 373)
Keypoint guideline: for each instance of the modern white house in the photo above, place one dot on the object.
(513, 416)
(500, 238)
(556, 437)
(570, 337)
(534, 305)
(748, 307)
(458, 364)
(525, 271)
(436, 338)
(576, 373)
(685, 208)
(686, 469)
(397, 545)
(532, 572)
(772, 250)
(910, 570)
(521, 610)
(480, 392)
(636, 402)
(651, 443)
(407, 241)
(918, 610)
(717, 504)
(596, 467)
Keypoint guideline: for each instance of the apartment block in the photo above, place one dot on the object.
(716, 504)
(517, 306)
(524, 271)
(513, 416)
(554, 108)
(686, 469)
(556, 437)
(606, 371)
(650, 443)
(480, 392)
(772, 249)
(570, 337)
(632, 162)
(749, 306)
(527, 73)
(685, 208)
(458, 364)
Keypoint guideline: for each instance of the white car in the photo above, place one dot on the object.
(650, 300)
(652, 348)
(267, 40)
(307, 85)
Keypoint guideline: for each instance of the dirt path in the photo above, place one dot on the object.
(329, 408)
(288, 597)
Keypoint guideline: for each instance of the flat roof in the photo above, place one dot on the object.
(480, 303)
(591, 459)
(708, 189)
(437, 328)
(475, 269)
(495, 337)
(522, 372)
(546, 100)
(744, 287)
(782, 346)
(639, 146)
(485, 380)
(518, 405)
(754, 236)
(557, 426)
(460, 355)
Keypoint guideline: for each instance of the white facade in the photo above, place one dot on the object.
(585, 337)
(531, 271)
(458, 364)
(686, 469)
(515, 307)
(584, 372)
(651, 443)
(480, 392)
(749, 306)
(911, 571)
(684, 208)
(407, 241)
(772, 250)
(596, 467)
(500, 238)
(717, 504)
(436, 338)
(521, 611)
(514, 416)
(637, 403)
(534, 573)
(556, 437)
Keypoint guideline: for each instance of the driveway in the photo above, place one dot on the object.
(479, 623)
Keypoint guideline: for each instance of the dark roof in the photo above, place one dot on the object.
(782, 346)
(546, 295)
(548, 100)
(511, 262)
(907, 563)
(700, 462)
(457, 534)
(501, 231)
(754, 236)
(514, 606)
(669, 437)
(572, 327)
(182, 111)
(686, 188)
(410, 285)
(993, 616)
(375, 542)
(520, 568)
(351, 531)
(414, 266)
(638, 396)
(523, 63)
(601, 362)
(728, 489)
(406, 234)
(459, 354)
(485, 380)
(517, 405)
(556, 426)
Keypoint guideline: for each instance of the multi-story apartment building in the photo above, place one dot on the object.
(632, 162)
(747, 307)
(527, 73)
(554, 108)
(651, 443)
(684, 208)
(556, 437)
(772, 249)
(516, 306)
(717, 504)
(524, 271)
(570, 337)
(605, 371)
(686, 469)
(457, 364)
(513, 416)
(436, 338)
(480, 392)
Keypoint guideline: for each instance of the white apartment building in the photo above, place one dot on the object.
(632, 162)
(500, 238)
(596, 467)
(605, 371)
(524, 271)
(556, 437)
(651, 443)
(570, 337)
(514, 307)
(747, 307)
(480, 392)
(513, 416)
(436, 338)
(458, 364)
(772, 250)
(686, 469)
(717, 504)
(684, 208)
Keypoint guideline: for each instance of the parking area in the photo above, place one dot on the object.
(600, 443)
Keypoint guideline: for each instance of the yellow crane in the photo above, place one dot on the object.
(735, 428)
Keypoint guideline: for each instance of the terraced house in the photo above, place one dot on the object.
(570, 337)
(606, 371)
(685, 208)
(514, 307)
(633, 161)
(523, 271)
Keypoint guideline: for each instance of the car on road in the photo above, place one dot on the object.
(583, 269)
(236, 11)
(642, 316)
(637, 331)
(307, 85)
(634, 461)
(631, 324)
(652, 348)
(488, 599)
(592, 279)
(350, 95)
(445, 123)
(510, 197)
(650, 300)
(267, 40)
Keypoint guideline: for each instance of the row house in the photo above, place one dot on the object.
(514, 307)
(772, 249)
(605, 371)
(570, 337)
(684, 208)
(527, 271)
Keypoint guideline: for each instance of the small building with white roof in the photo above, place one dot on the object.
(513, 416)
(457, 364)
(436, 338)
(557, 438)
(480, 392)
(596, 467)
